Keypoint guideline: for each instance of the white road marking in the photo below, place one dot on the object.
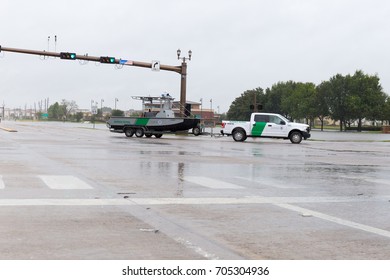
(271, 183)
(254, 200)
(336, 220)
(2, 185)
(277, 201)
(64, 182)
(378, 181)
(71, 182)
(211, 183)
(64, 202)
(187, 201)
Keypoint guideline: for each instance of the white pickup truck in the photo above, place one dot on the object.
(266, 125)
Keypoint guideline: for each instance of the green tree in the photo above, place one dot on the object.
(299, 100)
(118, 113)
(337, 99)
(385, 113)
(56, 111)
(366, 97)
(79, 116)
(320, 102)
(240, 109)
(275, 96)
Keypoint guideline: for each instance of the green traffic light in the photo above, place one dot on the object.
(66, 55)
(107, 59)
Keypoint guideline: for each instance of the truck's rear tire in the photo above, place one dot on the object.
(129, 132)
(139, 132)
(239, 135)
(296, 137)
(159, 135)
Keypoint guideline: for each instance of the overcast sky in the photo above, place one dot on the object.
(237, 46)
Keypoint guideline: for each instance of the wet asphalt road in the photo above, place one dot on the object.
(68, 191)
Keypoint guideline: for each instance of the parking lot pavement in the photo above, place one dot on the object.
(68, 191)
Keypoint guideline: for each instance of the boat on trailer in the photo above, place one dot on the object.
(158, 118)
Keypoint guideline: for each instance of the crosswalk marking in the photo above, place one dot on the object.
(211, 183)
(64, 182)
(277, 201)
(269, 183)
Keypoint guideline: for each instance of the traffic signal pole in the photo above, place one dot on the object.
(182, 69)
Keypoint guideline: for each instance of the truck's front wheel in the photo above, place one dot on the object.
(239, 135)
(295, 137)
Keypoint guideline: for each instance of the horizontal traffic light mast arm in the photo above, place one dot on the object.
(176, 69)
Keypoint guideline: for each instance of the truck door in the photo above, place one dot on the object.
(258, 125)
(276, 127)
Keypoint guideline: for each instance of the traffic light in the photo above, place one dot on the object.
(107, 59)
(66, 55)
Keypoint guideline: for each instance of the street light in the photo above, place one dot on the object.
(184, 58)
(183, 84)
(101, 106)
(116, 100)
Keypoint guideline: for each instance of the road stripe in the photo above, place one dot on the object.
(277, 201)
(188, 201)
(64, 202)
(2, 185)
(378, 181)
(336, 220)
(64, 182)
(211, 183)
(273, 184)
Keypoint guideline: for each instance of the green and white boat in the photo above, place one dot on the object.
(154, 122)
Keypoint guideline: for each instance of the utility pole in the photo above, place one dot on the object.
(182, 69)
(183, 83)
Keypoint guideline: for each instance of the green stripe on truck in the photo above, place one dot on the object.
(258, 128)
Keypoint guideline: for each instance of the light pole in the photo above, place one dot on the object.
(116, 100)
(201, 108)
(101, 106)
(183, 84)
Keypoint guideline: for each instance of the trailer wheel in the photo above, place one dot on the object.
(148, 134)
(129, 132)
(158, 135)
(139, 132)
(239, 135)
(196, 131)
